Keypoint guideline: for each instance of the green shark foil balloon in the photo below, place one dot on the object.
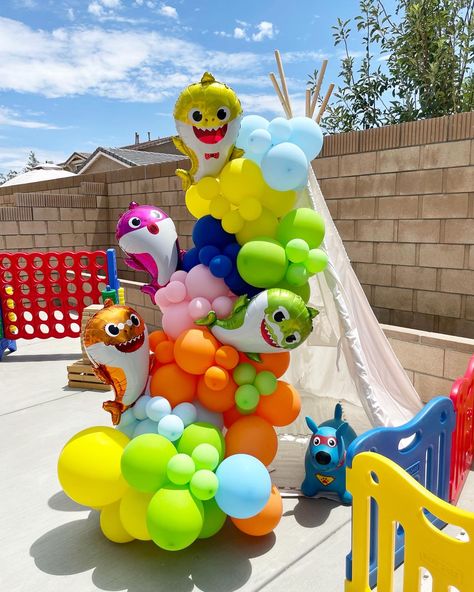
(207, 116)
(273, 320)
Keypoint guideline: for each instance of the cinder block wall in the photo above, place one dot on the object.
(402, 198)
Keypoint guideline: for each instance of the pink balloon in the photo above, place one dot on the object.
(161, 300)
(201, 282)
(176, 320)
(175, 292)
(179, 276)
(222, 306)
(198, 308)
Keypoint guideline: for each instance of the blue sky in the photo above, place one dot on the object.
(77, 74)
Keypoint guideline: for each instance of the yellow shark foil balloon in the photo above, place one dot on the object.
(207, 116)
(116, 342)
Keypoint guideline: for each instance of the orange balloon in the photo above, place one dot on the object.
(155, 338)
(231, 416)
(216, 378)
(173, 383)
(195, 349)
(281, 407)
(227, 357)
(213, 400)
(252, 435)
(276, 363)
(164, 352)
(266, 520)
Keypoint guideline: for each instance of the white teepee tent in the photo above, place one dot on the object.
(347, 358)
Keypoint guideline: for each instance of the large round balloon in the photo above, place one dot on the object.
(254, 436)
(262, 262)
(201, 433)
(175, 518)
(307, 135)
(89, 466)
(266, 520)
(173, 383)
(281, 407)
(133, 511)
(285, 167)
(214, 519)
(144, 461)
(304, 224)
(244, 486)
(112, 526)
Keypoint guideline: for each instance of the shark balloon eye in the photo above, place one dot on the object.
(112, 330)
(332, 442)
(134, 222)
(293, 338)
(316, 441)
(135, 320)
(223, 113)
(281, 314)
(195, 115)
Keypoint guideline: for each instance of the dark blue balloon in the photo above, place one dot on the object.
(209, 231)
(232, 250)
(238, 286)
(190, 259)
(220, 266)
(207, 253)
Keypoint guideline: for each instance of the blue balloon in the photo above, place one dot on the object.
(171, 427)
(259, 141)
(139, 409)
(187, 412)
(208, 231)
(147, 426)
(307, 135)
(244, 486)
(207, 253)
(232, 250)
(249, 124)
(238, 286)
(285, 167)
(206, 416)
(129, 428)
(280, 130)
(220, 266)
(157, 408)
(256, 158)
(191, 259)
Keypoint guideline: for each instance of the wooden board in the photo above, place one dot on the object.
(81, 375)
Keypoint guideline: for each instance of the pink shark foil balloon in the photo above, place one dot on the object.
(148, 237)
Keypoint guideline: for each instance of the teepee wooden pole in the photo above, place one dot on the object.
(283, 80)
(280, 95)
(317, 88)
(324, 103)
(308, 103)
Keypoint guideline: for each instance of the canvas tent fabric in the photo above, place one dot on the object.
(347, 358)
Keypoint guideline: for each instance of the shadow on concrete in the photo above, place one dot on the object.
(60, 501)
(15, 358)
(312, 512)
(219, 564)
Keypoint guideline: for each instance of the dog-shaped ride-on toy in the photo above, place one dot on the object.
(325, 460)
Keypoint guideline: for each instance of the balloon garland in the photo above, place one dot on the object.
(192, 447)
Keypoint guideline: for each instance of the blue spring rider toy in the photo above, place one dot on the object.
(325, 460)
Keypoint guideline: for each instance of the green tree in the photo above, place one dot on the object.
(32, 162)
(415, 64)
(4, 177)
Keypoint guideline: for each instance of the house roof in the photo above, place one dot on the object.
(41, 172)
(150, 143)
(130, 157)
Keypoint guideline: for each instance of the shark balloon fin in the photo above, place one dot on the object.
(207, 78)
(208, 320)
(133, 264)
(236, 153)
(240, 303)
(313, 312)
(254, 357)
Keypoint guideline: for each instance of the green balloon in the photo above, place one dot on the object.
(174, 517)
(297, 250)
(204, 484)
(144, 461)
(201, 433)
(303, 223)
(244, 373)
(262, 262)
(205, 456)
(303, 291)
(247, 398)
(180, 469)
(316, 261)
(297, 274)
(214, 519)
(265, 382)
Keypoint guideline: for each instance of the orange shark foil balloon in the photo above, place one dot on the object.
(116, 342)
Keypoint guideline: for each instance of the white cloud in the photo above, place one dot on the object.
(104, 8)
(168, 11)
(270, 105)
(265, 31)
(16, 157)
(111, 3)
(239, 33)
(222, 34)
(95, 9)
(70, 14)
(8, 117)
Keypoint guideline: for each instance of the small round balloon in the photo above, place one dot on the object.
(204, 484)
(280, 130)
(133, 509)
(112, 526)
(285, 167)
(171, 427)
(157, 408)
(259, 141)
(201, 433)
(180, 469)
(205, 456)
(307, 135)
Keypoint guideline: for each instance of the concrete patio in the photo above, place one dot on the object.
(51, 544)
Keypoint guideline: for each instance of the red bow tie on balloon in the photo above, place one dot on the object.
(211, 155)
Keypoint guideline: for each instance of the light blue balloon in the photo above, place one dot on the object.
(157, 408)
(285, 167)
(244, 486)
(129, 428)
(187, 412)
(139, 409)
(280, 130)
(259, 141)
(206, 416)
(147, 426)
(247, 126)
(307, 135)
(126, 418)
(171, 427)
(256, 158)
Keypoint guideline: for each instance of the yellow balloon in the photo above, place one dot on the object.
(219, 207)
(89, 466)
(197, 206)
(241, 178)
(278, 202)
(111, 525)
(232, 222)
(133, 509)
(250, 209)
(265, 225)
(208, 187)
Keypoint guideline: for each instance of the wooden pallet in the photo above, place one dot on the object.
(81, 376)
